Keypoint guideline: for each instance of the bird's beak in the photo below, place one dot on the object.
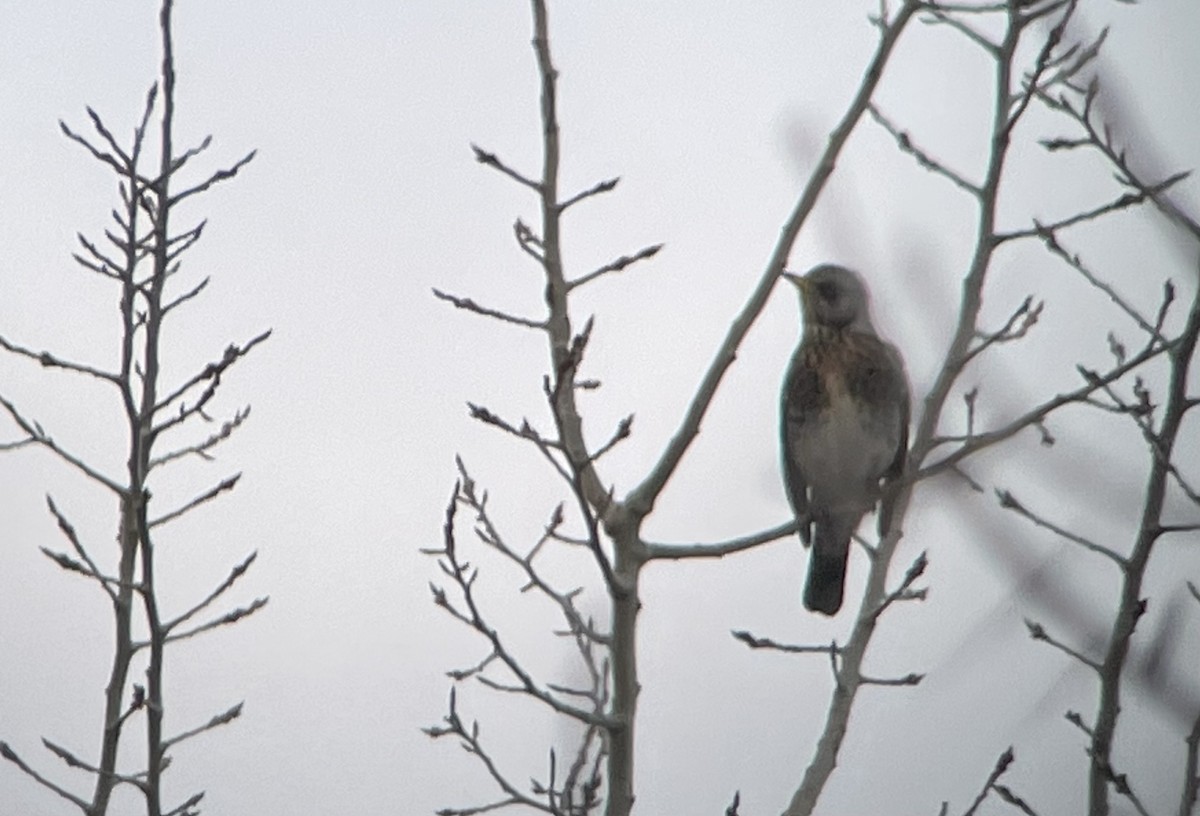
(799, 281)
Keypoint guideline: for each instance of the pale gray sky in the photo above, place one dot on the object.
(363, 197)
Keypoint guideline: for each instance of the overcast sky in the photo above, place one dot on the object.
(364, 195)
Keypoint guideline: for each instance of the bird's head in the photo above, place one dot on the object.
(834, 297)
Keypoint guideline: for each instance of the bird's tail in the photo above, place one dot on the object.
(827, 565)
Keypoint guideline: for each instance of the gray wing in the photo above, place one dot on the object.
(900, 390)
(901, 393)
(801, 401)
(878, 380)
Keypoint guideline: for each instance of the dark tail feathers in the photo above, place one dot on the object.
(827, 565)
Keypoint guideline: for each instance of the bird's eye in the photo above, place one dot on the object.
(827, 291)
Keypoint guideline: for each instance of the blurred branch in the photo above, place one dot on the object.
(1191, 769)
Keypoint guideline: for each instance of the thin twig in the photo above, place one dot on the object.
(906, 145)
(755, 642)
(471, 306)
(616, 266)
(1009, 502)
(657, 551)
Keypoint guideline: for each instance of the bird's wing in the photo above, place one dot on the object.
(904, 398)
(801, 395)
(901, 394)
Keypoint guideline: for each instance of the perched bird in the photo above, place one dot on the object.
(844, 424)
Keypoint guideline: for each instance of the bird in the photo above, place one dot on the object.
(844, 424)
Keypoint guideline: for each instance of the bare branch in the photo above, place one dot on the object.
(68, 530)
(1094, 382)
(938, 14)
(906, 145)
(1126, 201)
(1002, 764)
(223, 718)
(1191, 764)
(719, 549)
(605, 186)
(211, 374)
(49, 360)
(73, 761)
(470, 742)
(185, 297)
(464, 577)
(488, 534)
(1024, 318)
(184, 157)
(234, 574)
(107, 158)
(40, 437)
(491, 160)
(202, 449)
(755, 642)
(1009, 502)
(911, 679)
(184, 808)
(616, 266)
(11, 756)
(229, 618)
(1075, 262)
(218, 176)
(1038, 632)
(905, 592)
(471, 306)
(208, 495)
(624, 428)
